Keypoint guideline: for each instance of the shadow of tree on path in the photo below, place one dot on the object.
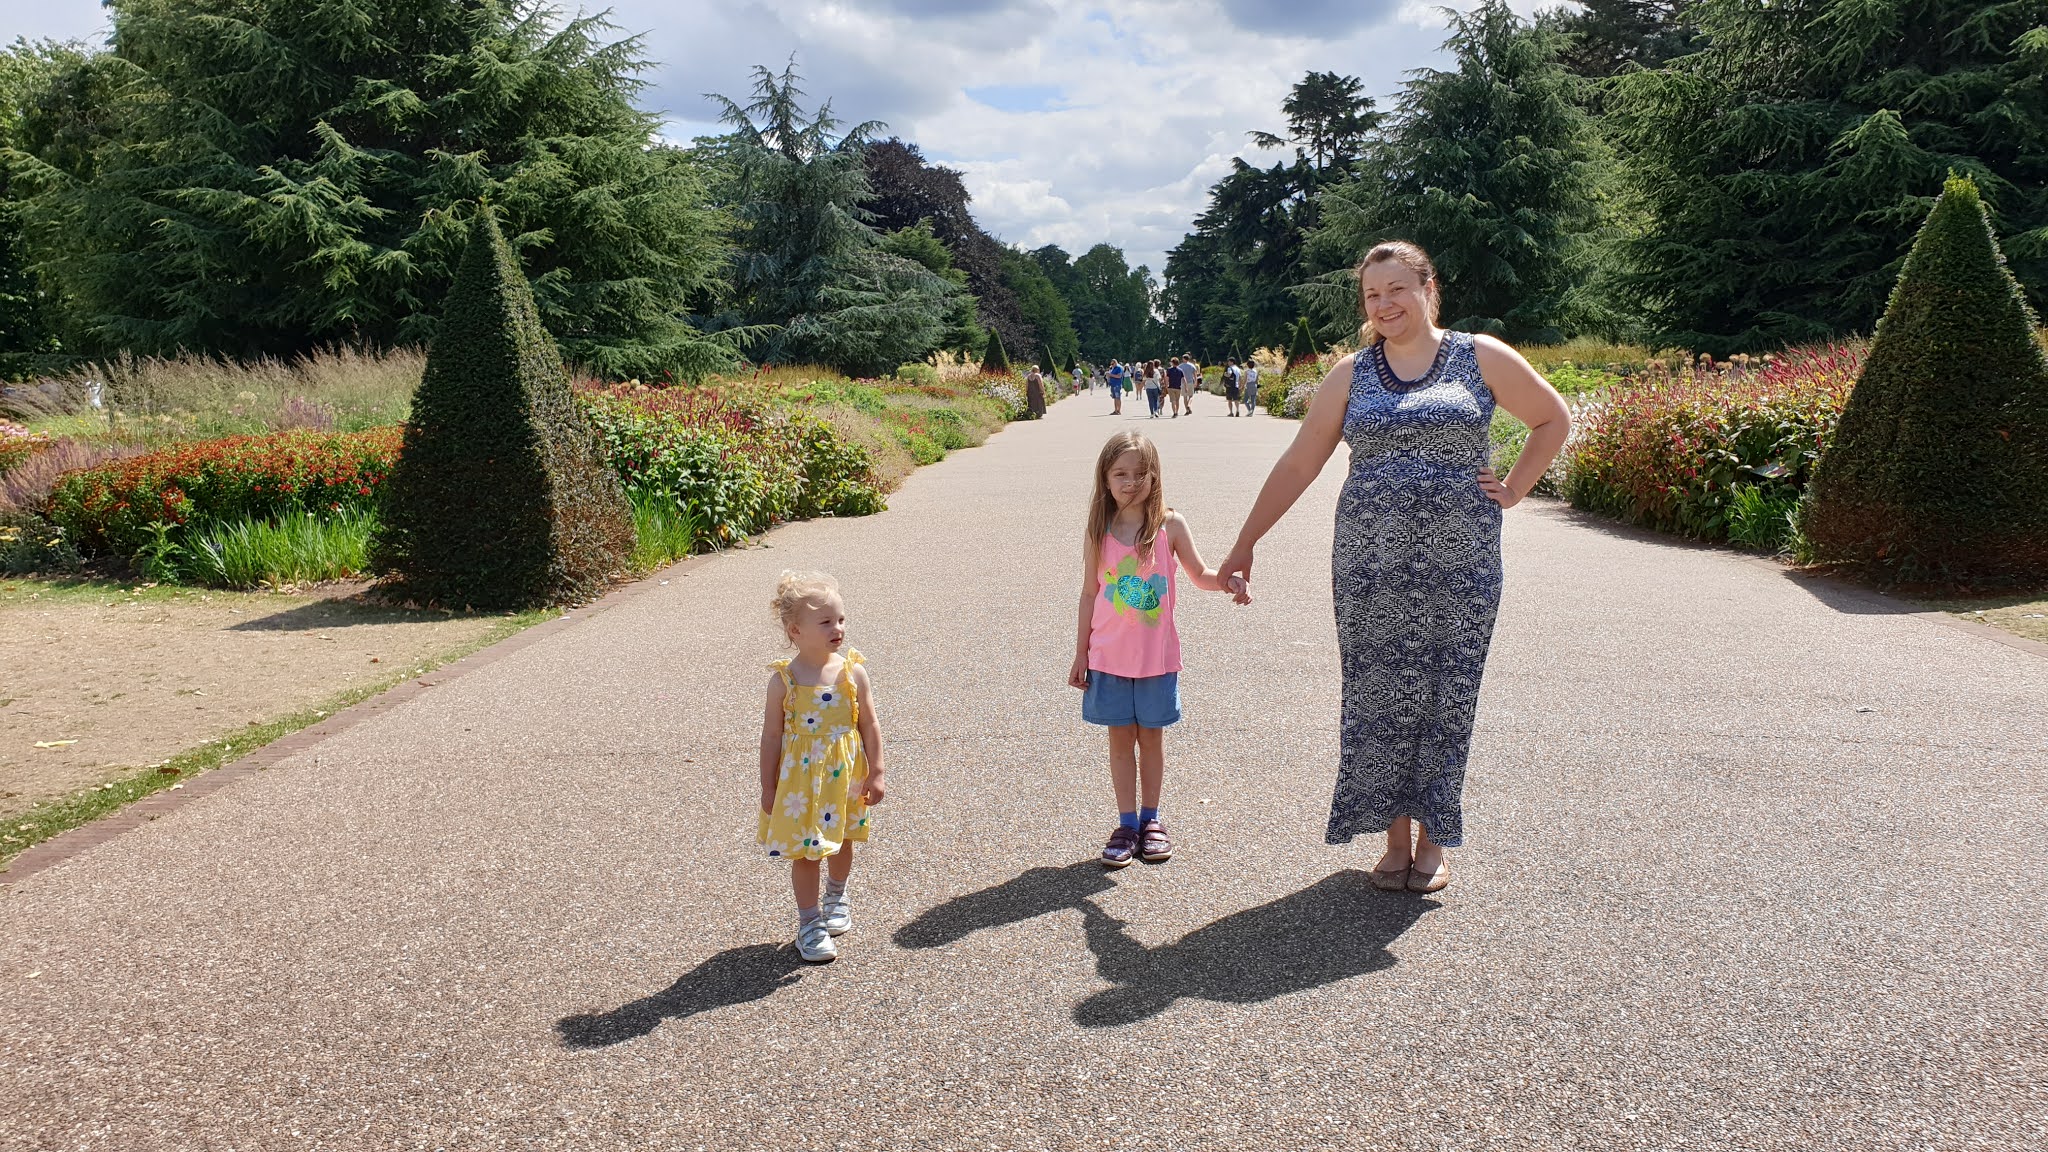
(734, 976)
(1335, 929)
(1032, 893)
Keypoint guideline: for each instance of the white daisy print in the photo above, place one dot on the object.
(794, 804)
(810, 723)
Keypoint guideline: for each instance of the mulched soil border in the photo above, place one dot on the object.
(65, 845)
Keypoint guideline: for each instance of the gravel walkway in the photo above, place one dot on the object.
(1751, 864)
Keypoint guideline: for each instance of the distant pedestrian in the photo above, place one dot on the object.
(1126, 649)
(1231, 386)
(1154, 388)
(1251, 386)
(821, 758)
(1117, 375)
(1034, 394)
(1077, 379)
(1190, 382)
(1173, 388)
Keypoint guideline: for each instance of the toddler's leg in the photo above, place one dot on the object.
(839, 865)
(803, 875)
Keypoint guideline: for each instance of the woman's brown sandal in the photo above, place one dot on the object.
(1419, 881)
(1390, 879)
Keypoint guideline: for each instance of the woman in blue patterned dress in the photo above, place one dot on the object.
(1415, 570)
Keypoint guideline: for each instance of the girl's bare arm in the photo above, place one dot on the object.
(1183, 541)
(870, 732)
(771, 742)
(1077, 674)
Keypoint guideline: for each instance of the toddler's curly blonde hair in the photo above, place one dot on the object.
(795, 590)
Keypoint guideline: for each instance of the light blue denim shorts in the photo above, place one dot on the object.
(1149, 701)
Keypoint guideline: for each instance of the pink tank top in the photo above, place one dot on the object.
(1132, 632)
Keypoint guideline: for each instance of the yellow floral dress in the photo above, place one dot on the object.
(818, 803)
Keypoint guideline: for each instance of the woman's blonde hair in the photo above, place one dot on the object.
(1409, 256)
(795, 590)
(1102, 506)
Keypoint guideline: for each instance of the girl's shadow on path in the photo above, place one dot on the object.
(734, 976)
(1336, 928)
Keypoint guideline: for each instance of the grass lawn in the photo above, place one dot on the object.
(118, 690)
(2025, 615)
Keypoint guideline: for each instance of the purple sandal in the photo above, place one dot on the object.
(1122, 844)
(1153, 846)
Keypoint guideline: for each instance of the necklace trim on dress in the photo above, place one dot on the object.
(1393, 382)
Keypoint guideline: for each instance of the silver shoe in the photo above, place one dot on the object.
(814, 944)
(836, 913)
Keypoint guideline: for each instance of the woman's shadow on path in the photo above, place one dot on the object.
(1335, 929)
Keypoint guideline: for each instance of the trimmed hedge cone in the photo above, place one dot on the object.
(499, 498)
(1938, 473)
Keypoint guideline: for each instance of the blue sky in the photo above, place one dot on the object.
(1073, 121)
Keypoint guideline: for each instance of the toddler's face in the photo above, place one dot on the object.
(820, 626)
(1129, 480)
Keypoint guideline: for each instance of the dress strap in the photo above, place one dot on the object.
(782, 668)
(853, 657)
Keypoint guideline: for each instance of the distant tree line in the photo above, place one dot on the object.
(1721, 175)
(264, 177)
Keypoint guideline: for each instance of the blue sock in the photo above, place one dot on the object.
(1128, 820)
(1147, 815)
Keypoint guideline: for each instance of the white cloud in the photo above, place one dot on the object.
(1099, 121)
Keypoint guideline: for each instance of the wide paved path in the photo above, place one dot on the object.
(1750, 865)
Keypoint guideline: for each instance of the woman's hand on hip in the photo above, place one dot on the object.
(1498, 489)
(1077, 676)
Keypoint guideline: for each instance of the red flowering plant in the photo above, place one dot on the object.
(17, 444)
(1684, 451)
(111, 507)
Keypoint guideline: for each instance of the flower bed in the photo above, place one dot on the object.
(111, 508)
(1711, 452)
(17, 444)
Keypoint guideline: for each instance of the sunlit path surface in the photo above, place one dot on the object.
(1749, 865)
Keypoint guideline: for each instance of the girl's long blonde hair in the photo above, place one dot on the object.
(1102, 506)
(1407, 255)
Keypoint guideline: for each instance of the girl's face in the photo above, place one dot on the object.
(1395, 299)
(1130, 482)
(820, 626)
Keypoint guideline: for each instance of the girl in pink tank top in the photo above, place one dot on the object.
(1126, 649)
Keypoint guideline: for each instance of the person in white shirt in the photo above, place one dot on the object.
(1251, 387)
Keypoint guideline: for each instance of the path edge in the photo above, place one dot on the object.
(68, 844)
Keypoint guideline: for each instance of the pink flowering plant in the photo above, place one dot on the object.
(1712, 450)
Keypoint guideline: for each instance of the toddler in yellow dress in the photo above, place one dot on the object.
(821, 758)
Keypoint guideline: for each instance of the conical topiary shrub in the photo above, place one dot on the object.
(1938, 473)
(1304, 346)
(500, 497)
(995, 359)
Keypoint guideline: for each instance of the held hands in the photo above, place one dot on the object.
(1498, 489)
(1236, 575)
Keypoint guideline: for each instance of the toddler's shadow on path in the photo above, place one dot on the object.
(734, 976)
(1336, 928)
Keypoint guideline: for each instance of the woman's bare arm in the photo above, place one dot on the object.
(1297, 468)
(1523, 392)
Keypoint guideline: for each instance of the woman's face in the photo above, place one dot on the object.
(1396, 300)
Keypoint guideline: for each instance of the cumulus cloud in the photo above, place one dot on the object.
(1073, 121)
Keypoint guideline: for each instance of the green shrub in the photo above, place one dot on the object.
(500, 498)
(1302, 346)
(1672, 452)
(109, 508)
(664, 530)
(918, 374)
(1762, 518)
(29, 543)
(297, 549)
(1939, 472)
(994, 360)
